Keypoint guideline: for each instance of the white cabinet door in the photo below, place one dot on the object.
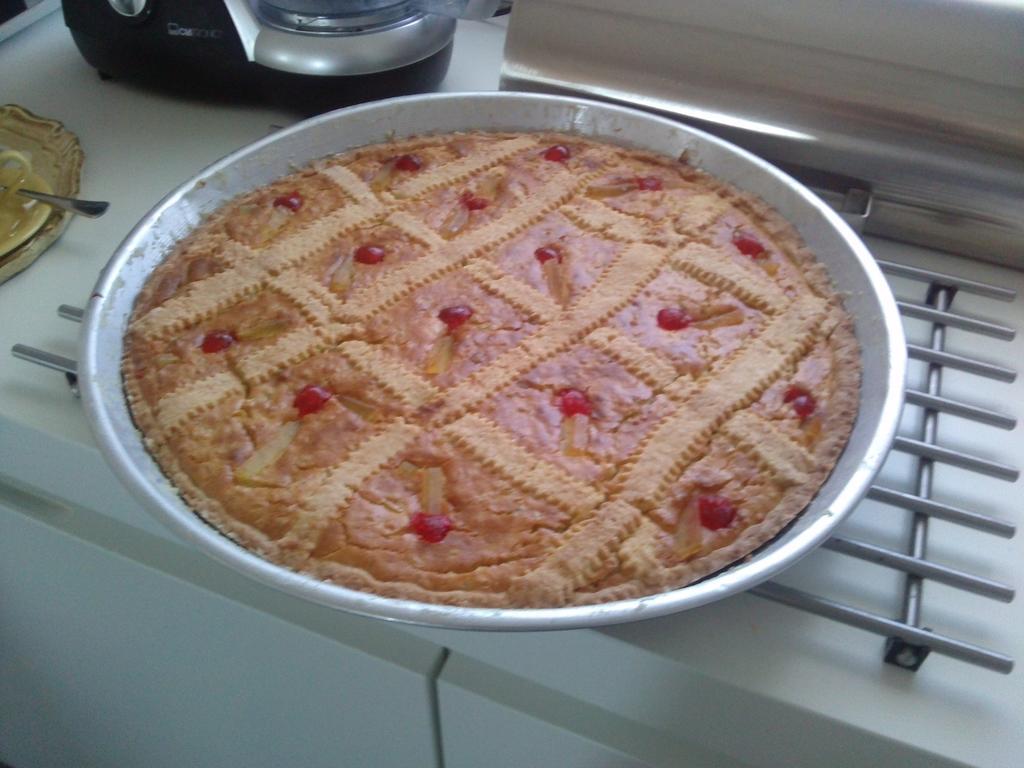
(107, 662)
(492, 718)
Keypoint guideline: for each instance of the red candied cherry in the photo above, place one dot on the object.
(311, 399)
(572, 402)
(648, 183)
(217, 341)
(370, 254)
(430, 528)
(546, 253)
(803, 402)
(292, 201)
(715, 512)
(748, 245)
(408, 163)
(455, 316)
(673, 319)
(559, 153)
(472, 202)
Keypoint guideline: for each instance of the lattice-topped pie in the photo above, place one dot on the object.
(495, 370)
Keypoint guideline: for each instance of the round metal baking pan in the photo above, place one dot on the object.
(853, 271)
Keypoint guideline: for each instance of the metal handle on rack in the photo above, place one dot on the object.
(68, 312)
(65, 365)
(54, 362)
(45, 359)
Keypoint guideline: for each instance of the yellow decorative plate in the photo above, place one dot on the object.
(20, 217)
(57, 158)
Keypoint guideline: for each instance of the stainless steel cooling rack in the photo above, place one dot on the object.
(908, 643)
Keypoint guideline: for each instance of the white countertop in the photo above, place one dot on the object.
(777, 670)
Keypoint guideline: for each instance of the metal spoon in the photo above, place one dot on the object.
(88, 208)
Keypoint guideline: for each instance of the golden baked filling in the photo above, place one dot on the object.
(495, 370)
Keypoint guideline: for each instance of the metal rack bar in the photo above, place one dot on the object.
(46, 359)
(952, 320)
(927, 450)
(923, 568)
(899, 651)
(956, 408)
(68, 312)
(855, 617)
(952, 281)
(65, 365)
(964, 517)
(960, 363)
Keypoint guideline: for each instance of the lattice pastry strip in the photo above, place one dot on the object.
(459, 170)
(295, 248)
(325, 496)
(589, 549)
(417, 230)
(619, 284)
(399, 283)
(317, 304)
(235, 254)
(393, 375)
(638, 553)
(718, 270)
(682, 437)
(498, 451)
(527, 299)
(335, 333)
(786, 462)
(202, 300)
(290, 348)
(692, 215)
(176, 409)
(248, 274)
(559, 187)
(353, 186)
(637, 359)
(625, 277)
(597, 217)
(402, 281)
